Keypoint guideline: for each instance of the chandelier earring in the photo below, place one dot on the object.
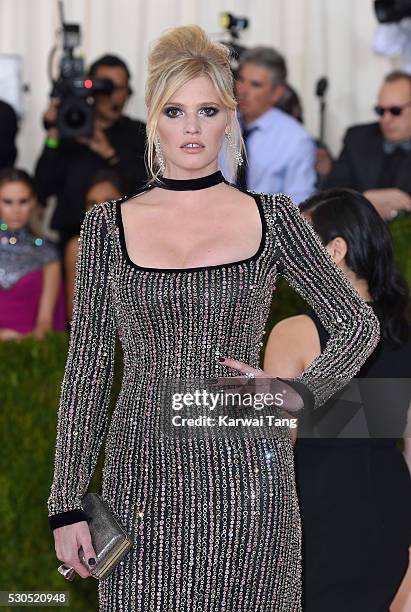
(237, 151)
(159, 155)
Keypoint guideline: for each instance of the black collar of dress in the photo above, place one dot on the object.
(202, 182)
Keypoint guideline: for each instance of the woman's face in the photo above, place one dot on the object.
(196, 116)
(102, 192)
(16, 204)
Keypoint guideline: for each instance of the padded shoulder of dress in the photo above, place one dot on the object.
(274, 198)
(282, 198)
(104, 213)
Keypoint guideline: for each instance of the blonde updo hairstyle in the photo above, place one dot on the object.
(179, 55)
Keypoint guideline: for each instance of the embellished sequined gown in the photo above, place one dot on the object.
(216, 522)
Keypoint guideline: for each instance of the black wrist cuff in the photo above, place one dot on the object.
(66, 518)
(303, 391)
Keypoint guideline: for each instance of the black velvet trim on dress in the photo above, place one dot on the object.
(232, 264)
(303, 391)
(66, 518)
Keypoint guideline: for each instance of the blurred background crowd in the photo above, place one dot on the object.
(92, 150)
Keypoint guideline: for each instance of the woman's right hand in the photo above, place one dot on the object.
(68, 540)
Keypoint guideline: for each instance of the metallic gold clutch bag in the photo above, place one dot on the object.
(108, 537)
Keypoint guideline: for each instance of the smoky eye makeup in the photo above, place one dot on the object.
(209, 111)
(172, 111)
(175, 111)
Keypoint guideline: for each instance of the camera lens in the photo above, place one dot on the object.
(75, 117)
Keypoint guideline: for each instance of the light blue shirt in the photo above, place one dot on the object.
(281, 157)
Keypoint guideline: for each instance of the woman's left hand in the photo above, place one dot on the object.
(249, 374)
(244, 368)
(266, 383)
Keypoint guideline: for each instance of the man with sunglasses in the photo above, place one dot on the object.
(118, 143)
(376, 157)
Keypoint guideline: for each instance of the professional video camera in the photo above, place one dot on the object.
(391, 11)
(75, 91)
(233, 25)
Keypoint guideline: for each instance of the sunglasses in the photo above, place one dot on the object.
(393, 110)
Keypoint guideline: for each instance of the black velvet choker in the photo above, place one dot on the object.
(202, 182)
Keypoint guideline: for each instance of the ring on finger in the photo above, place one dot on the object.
(250, 374)
(66, 571)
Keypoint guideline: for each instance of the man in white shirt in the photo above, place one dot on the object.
(280, 152)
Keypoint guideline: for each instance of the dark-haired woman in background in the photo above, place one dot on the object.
(106, 185)
(31, 291)
(355, 494)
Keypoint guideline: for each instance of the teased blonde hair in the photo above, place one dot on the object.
(179, 55)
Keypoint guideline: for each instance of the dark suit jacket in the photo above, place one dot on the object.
(360, 162)
(8, 132)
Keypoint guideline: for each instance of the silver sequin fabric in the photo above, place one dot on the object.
(216, 521)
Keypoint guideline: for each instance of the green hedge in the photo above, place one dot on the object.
(30, 375)
(401, 235)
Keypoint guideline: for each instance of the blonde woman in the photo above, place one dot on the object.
(184, 271)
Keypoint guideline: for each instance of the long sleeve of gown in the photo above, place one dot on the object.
(353, 327)
(85, 391)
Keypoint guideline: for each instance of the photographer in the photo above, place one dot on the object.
(65, 165)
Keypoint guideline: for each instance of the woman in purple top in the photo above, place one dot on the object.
(31, 290)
